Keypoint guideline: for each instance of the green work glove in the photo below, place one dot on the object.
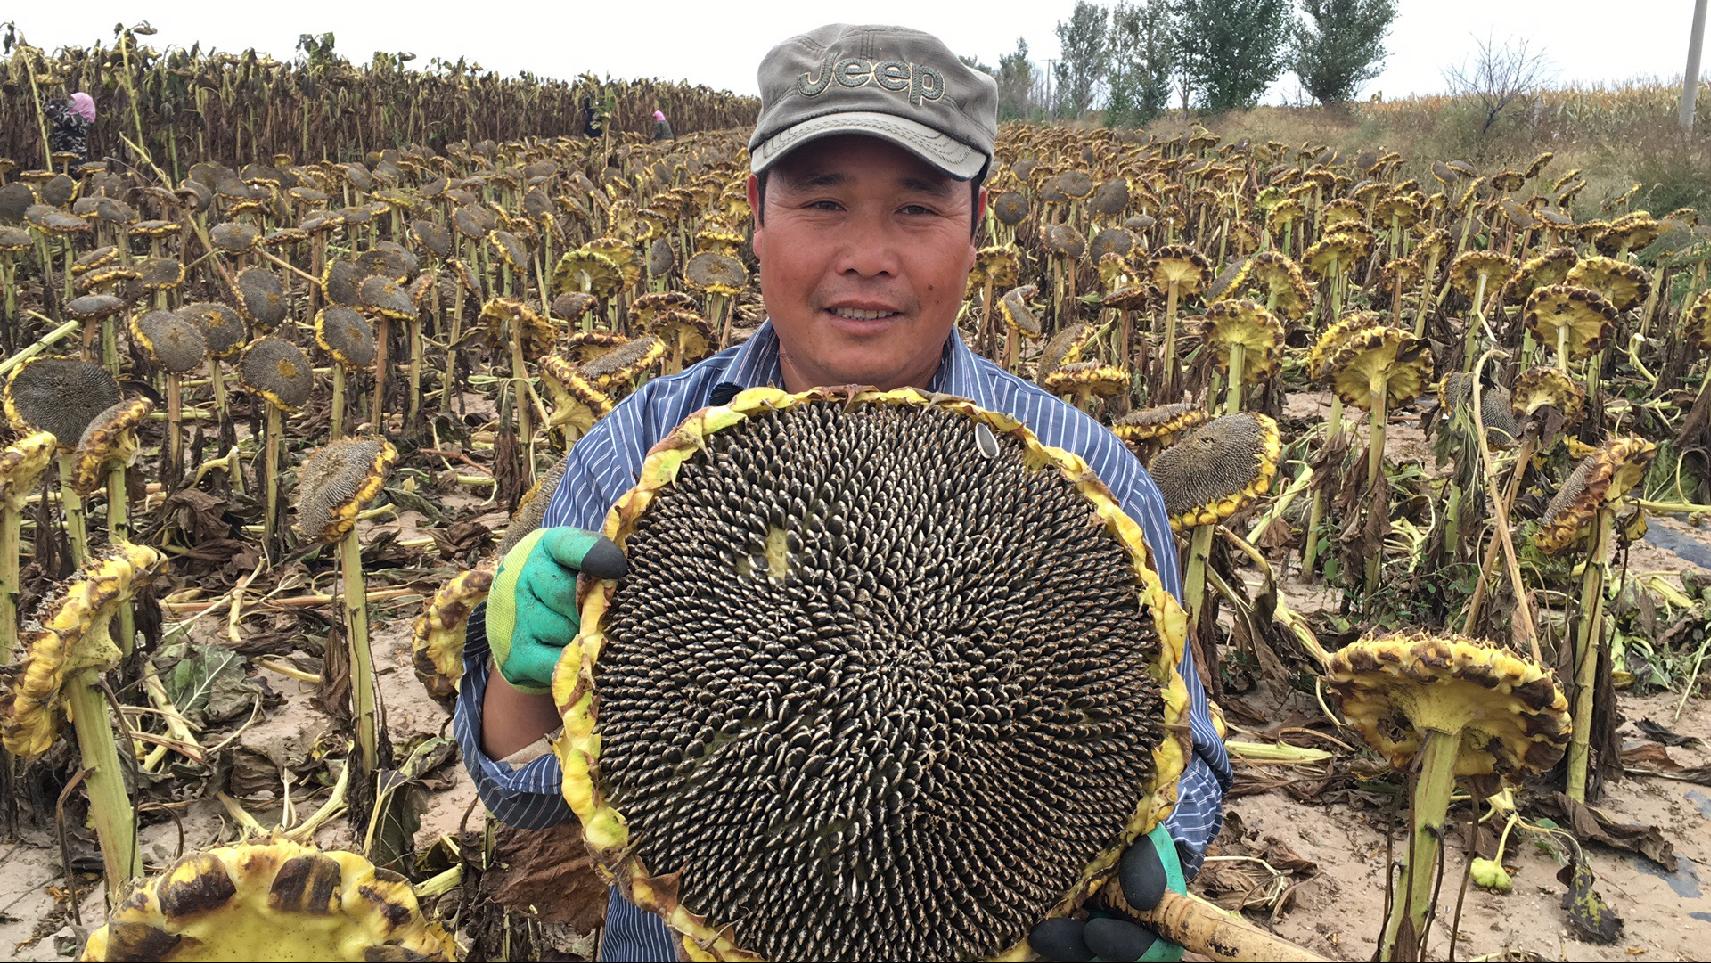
(531, 611)
(1148, 867)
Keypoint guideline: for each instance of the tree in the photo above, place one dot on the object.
(975, 63)
(1082, 38)
(1498, 77)
(1016, 84)
(1340, 45)
(1231, 50)
(1141, 63)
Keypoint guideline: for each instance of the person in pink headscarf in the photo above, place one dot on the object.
(69, 124)
(662, 127)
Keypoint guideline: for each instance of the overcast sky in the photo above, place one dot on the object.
(720, 43)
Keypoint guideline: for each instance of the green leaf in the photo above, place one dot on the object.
(207, 683)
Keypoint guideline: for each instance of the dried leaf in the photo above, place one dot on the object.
(1589, 916)
(1658, 732)
(1590, 825)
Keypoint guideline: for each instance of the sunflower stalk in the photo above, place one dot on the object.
(1412, 900)
(361, 657)
(1588, 647)
(71, 505)
(109, 804)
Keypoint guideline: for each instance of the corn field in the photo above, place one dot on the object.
(282, 388)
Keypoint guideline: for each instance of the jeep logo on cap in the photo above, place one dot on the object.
(922, 83)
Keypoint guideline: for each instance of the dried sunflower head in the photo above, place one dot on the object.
(1239, 321)
(1379, 358)
(279, 371)
(94, 307)
(623, 364)
(274, 898)
(1601, 478)
(111, 438)
(59, 397)
(1545, 387)
(1622, 284)
(261, 298)
(1455, 394)
(171, 341)
(1578, 318)
(1698, 321)
(385, 297)
(1217, 469)
(1394, 688)
(1159, 424)
(74, 635)
(1018, 316)
(222, 329)
(338, 480)
(346, 336)
(974, 697)
(234, 237)
(1179, 266)
(716, 274)
(21, 466)
(437, 637)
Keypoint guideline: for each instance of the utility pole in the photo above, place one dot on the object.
(1690, 80)
(1051, 69)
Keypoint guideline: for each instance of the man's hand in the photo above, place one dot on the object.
(531, 611)
(1147, 868)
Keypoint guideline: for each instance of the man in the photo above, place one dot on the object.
(867, 160)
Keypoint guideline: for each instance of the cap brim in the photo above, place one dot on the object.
(951, 156)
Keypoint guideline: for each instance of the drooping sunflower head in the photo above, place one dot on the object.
(346, 335)
(1621, 283)
(1217, 469)
(1600, 479)
(171, 341)
(338, 480)
(1380, 358)
(1395, 688)
(278, 371)
(58, 396)
(111, 438)
(1240, 321)
(1578, 318)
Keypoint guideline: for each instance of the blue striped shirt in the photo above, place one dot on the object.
(606, 462)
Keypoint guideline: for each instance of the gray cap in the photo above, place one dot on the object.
(903, 85)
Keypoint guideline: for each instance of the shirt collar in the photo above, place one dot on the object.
(756, 365)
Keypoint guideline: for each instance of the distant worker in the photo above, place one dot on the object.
(592, 125)
(70, 120)
(662, 127)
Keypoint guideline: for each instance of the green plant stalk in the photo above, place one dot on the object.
(1233, 401)
(1316, 514)
(415, 370)
(1588, 644)
(174, 427)
(337, 414)
(11, 525)
(41, 114)
(1378, 417)
(383, 350)
(118, 533)
(1475, 324)
(270, 474)
(109, 805)
(1425, 296)
(76, 525)
(1562, 348)
(1169, 393)
(520, 385)
(1199, 549)
(362, 659)
(1431, 803)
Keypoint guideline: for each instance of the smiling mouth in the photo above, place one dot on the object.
(855, 314)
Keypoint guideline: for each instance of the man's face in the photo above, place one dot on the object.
(864, 257)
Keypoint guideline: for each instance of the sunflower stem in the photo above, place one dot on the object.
(1169, 394)
(118, 533)
(76, 525)
(1199, 548)
(1233, 402)
(362, 660)
(270, 476)
(11, 525)
(1431, 802)
(109, 805)
(1378, 417)
(1588, 642)
(338, 409)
